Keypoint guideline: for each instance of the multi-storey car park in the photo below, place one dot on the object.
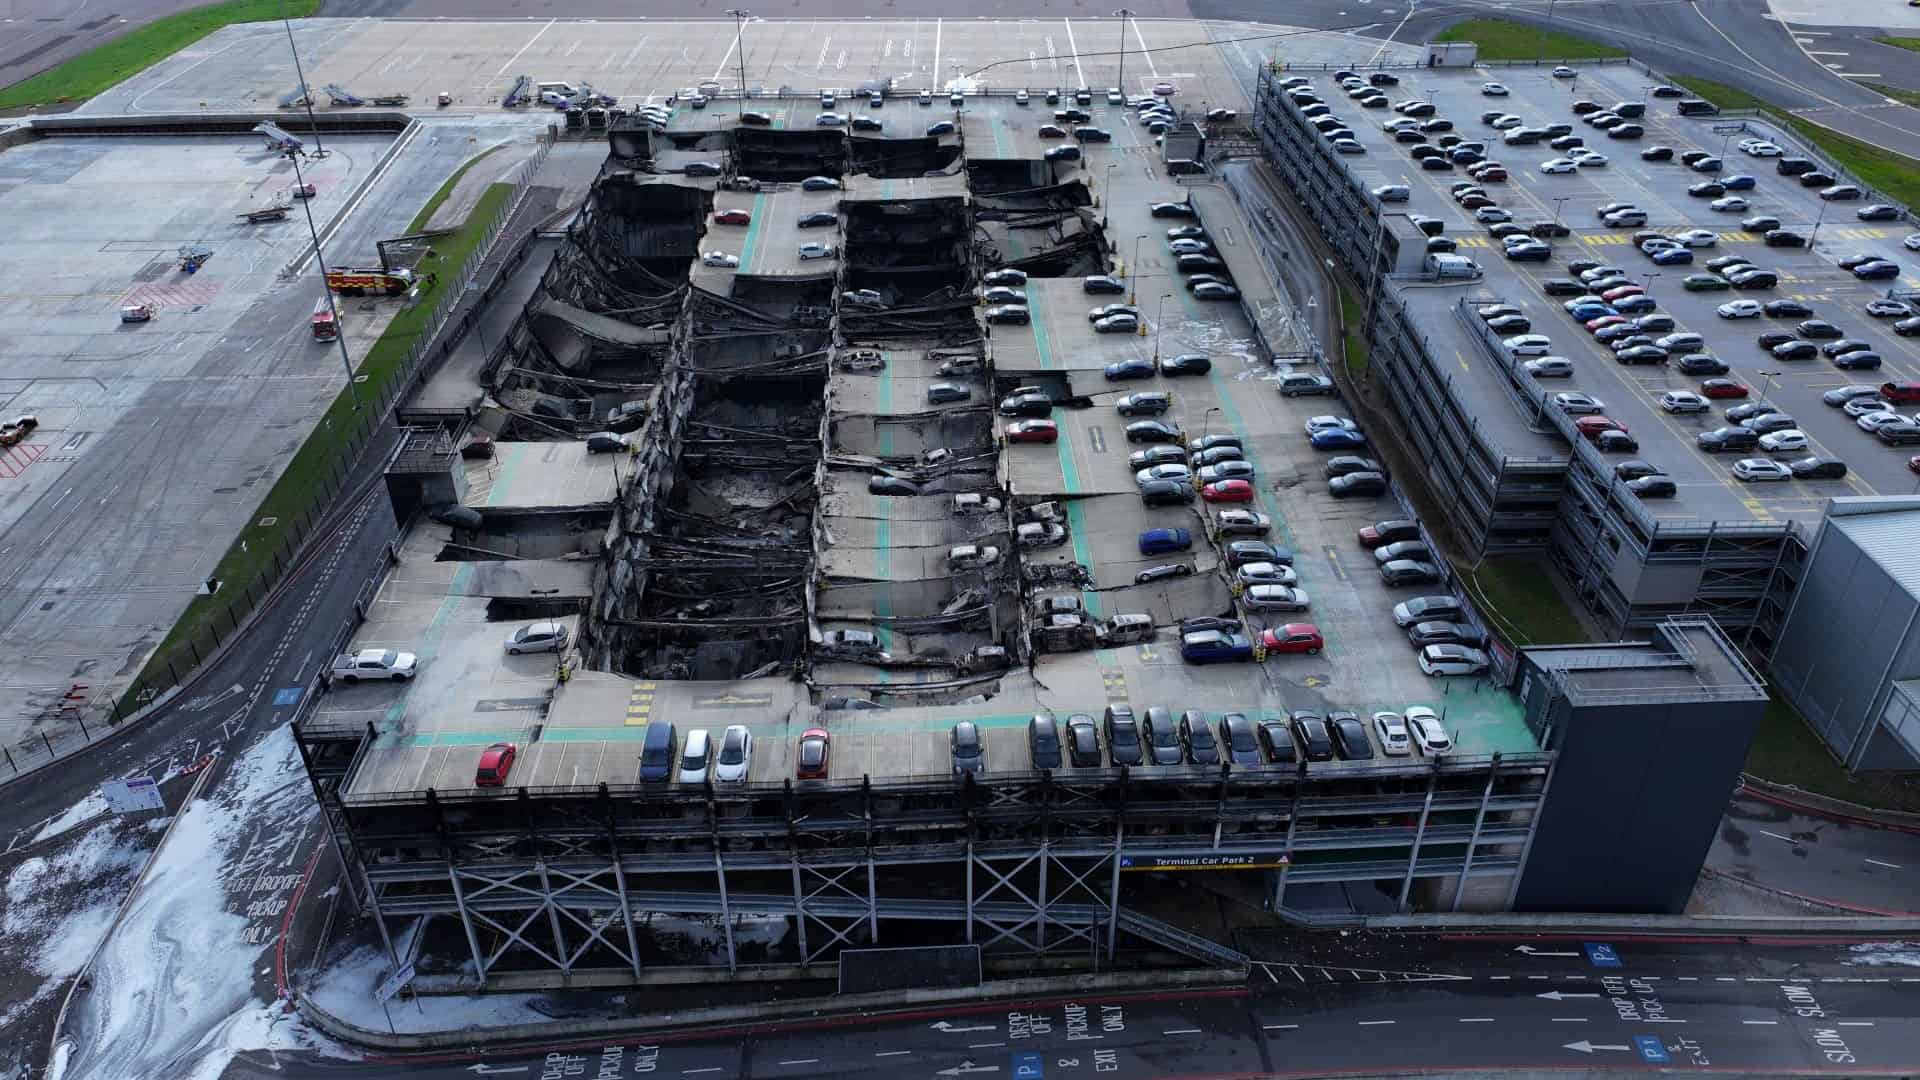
(778, 492)
(1501, 455)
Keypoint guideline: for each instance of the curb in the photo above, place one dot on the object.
(1826, 806)
(1816, 901)
(736, 1020)
(1850, 926)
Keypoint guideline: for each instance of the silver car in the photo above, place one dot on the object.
(1274, 598)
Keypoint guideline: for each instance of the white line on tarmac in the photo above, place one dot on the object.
(516, 56)
(1476, 1019)
(1144, 51)
(1074, 48)
(1776, 836)
(1760, 1022)
(936, 52)
(1569, 1019)
(1888, 865)
(1172, 1031)
(1279, 1027)
(891, 1053)
(728, 55)
(1856, 1023)
(1375, 1023)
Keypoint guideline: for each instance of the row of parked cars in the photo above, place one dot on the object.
(1159, 738)
(1436, 624)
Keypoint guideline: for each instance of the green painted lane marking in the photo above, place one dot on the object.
(753, 234)
(866, 725)
(1077, 529)
(509, 464)
(1036, 316)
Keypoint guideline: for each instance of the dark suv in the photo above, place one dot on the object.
(1162, 736)
(1310, 734)
(1727, 438)
(1123, 735)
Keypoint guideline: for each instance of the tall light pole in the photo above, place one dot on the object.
(306, 92)
(1206, 421)
(1106, 194)
(1814, 236)
(1159, 324)
(1767, 387)
(1649, 289)
(1133, 272)
(1124, 14)
(1557, 204)
(740, 16)
(1543, 39)
(339, 331)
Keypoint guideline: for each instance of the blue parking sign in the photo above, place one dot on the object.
(1028, 1067)
(1600, 954)
(1651, 1050)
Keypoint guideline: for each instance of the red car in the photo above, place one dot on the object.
(732, 217)
(1596, 325)
(1228, 491)
(495, 762)
(1035, 431)
(810, 763)
(1723, 388)
(1297, 637)
(1621, 293)
(1591, 426)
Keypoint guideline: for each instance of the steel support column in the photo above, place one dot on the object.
(553, 916)
(726, 914)
(1286, 847)
(1473, 840)
(1113, 886)
(1419, 837)
(620, 883)
(466, 922)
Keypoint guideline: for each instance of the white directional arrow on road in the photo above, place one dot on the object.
(950, 1027)
(1531, 951)
(1586, 1047)
(1562, 995)
(962, 1070)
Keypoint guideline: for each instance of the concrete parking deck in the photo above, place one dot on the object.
(542, 475)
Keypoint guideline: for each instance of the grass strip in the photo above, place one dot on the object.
(1894, 175)
(1523, 602)
(1502, 40)
(1786, 751)
(315, 466)
(140, 48)
(1353, 342)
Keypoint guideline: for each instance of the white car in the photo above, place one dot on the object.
(1548, 367)
(1861, 406)
(1266, 573)
(1439, 660)
(1172, 470)
(1700, 238)
(1275, 598)
(1506, 122)
(1874, 421)
(375, 664)
(1755, 470)
(1912, 242)
(1553, 166)
(1686, 401)
(829, 119)
(719, 258)
(730, 765)
(1564, 72)
(1491, 215)
(1320, 423)
(1728, 204)
(1739, 309)
(538, 637)
(1528, 344)
(1587, 159)
(1575, 403)
(1783, 441)
(1427, 730)
(817, 250)
(1758, 148)
(1494, 89)
(1189, 246)
(1019, 98)
(1391, 729)
(696, 756)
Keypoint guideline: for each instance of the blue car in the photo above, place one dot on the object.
(1163, 541)
(1588, 312)
(1338, 438)
(1215, 646)
(1672, 257)
(1741, 182)
(1138, 368)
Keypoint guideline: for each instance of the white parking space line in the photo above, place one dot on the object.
(1075, 50)
(1144, 51)
(504, 68)
(936, 52)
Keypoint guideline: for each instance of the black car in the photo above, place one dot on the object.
(1242, 552)
(1907, 327)
(1773, 339)
(1146, 403)
(1843, 346)
(1172, 209)
(1241, 746)
(1083, 742)
(1444, 632)
(817, 219)
(1383, 78)
(1152, 431)
(1161, 736)
(1864, 360)
(1186, 364)
(1784, 238)
(1654, 487)
(1727, 438)
(1350, 737)
(1043, 742)
(1819, 468)
(1707, 189)
(1657, 153)
(1633, 470)
(1702, 364)
(1816, 179)
(1796, 350)
(1031, 404)
(1818, 329)
(1123, 735)
(1785, 309)
(1092, 134)
(1276, 741)
(1138, 367)
(1101, 283)
(1360, 484)
(1562, 287)
(1616, 442)
(1760, 224)
(1509, 325)
(1642, 354)
(1311, 735)
(1198, 737)
(1166, 493)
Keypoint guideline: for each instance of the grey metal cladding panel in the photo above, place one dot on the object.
(1891, 539)
(1836, 646)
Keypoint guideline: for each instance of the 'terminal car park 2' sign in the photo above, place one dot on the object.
(1258, 860)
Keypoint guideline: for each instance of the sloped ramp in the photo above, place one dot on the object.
(568, 332)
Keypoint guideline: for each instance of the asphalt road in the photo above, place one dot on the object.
(1464, 1007)
(1852, 50)
(1841, 862)
(37, 34)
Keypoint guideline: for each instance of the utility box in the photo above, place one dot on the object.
(1452, 54)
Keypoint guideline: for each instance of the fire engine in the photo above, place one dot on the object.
(357, 281)
(324, 326)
